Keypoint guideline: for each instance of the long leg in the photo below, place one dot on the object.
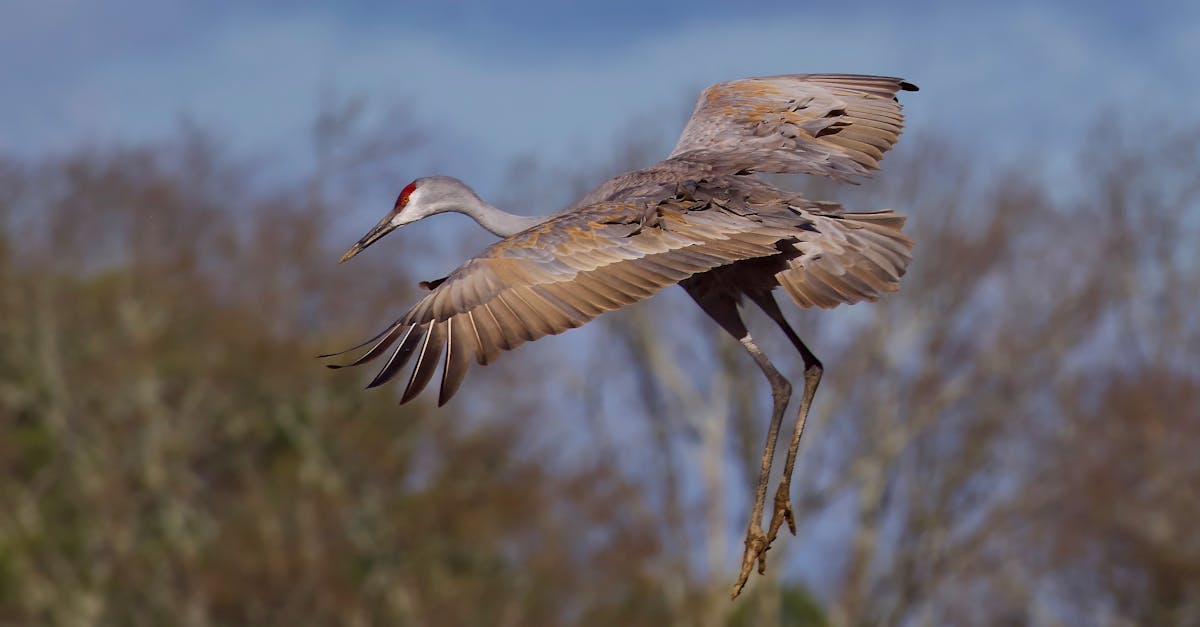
(723, 308)
(812, 378)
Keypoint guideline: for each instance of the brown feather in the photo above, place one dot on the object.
(412, 337)
(460, 339)
(487, 335)
(790, 124)
(427, 361)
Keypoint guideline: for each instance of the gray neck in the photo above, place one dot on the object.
(498, 221)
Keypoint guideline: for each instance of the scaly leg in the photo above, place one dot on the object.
(812, 378)
(757, 543)
(723, 309)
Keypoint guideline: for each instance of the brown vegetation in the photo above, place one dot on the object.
(1011, 439)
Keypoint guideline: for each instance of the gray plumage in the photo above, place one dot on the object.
(701, 219)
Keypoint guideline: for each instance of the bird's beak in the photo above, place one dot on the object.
(384, 227)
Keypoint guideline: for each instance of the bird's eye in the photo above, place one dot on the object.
(404, 194)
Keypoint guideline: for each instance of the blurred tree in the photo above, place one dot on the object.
(937, 445)
(171, 453)
(1009, 440)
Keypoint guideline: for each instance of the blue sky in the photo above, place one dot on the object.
(491, 81)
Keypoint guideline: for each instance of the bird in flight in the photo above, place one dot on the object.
(702, 219)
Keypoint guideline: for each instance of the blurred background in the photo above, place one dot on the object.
(1011, 439)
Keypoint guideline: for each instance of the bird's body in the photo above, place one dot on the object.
(701, 219)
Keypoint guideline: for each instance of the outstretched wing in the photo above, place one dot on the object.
(836, 125)
(562, 274)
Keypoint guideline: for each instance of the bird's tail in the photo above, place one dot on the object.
(847, 258)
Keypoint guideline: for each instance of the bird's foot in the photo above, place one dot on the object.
(756, 551)
(783, 511)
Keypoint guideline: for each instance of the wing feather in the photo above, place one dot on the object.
(460, 340)
(400, 356)
(835, 125)
(512, 332)
(427, 357)
(847, 258)
(562, 274)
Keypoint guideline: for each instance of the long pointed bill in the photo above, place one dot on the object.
(384, 227)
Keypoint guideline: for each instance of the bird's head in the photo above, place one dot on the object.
(418, 200)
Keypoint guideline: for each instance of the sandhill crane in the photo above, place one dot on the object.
(700, 219)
